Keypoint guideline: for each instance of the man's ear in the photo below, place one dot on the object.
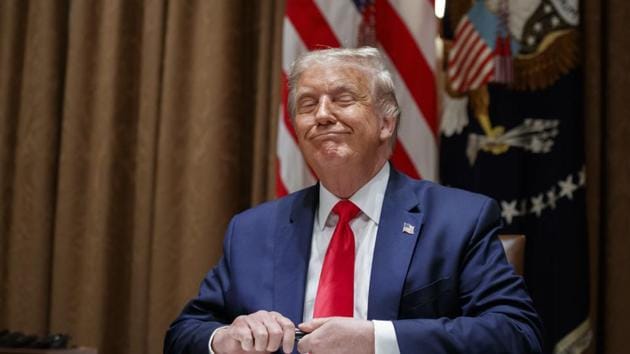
(388, 125)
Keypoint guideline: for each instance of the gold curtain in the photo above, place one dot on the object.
(607, 109)
(130, 132)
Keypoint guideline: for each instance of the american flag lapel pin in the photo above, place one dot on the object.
(408, 228)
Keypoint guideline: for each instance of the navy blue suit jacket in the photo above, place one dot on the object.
(447, 287)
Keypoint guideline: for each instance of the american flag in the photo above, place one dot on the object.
(482, 50)
(405, 32)
(471, 59)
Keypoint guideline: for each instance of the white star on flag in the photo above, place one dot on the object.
(567, 187)
(508, 210)
(537, 204)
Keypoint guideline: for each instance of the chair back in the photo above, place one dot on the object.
(514, 246)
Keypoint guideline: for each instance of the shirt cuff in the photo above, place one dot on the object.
(384, 338)
(215, 332)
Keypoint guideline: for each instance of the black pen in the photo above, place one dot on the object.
(299, 334)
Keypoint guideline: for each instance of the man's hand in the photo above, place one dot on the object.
(333, 335)
(261, 331)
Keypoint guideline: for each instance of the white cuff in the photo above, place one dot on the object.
(212, 337)
(384, 338)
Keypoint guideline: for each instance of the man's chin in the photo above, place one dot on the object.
(332, 159)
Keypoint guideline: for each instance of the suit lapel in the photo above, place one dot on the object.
(399, 227)
(291, 256)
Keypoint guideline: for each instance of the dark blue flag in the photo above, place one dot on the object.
(512, 128)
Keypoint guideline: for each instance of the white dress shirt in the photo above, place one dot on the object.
(370, 200)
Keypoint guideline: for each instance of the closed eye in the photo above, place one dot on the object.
(306, 104)
(345, 98)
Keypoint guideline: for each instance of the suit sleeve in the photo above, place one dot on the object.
(190, 332)
(497, 314)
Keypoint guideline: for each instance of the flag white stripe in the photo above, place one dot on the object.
(292, 45)
(413, 132)
(487, 69)
(480, 71)
(465, 48)
(465, 69)
(459, 40)
(419, 19)
(293, 169)
(483, 56)
(344, 19)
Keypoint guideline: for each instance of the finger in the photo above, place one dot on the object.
(243, 335)
(315, 323)
(288, 333)
(275, 335)
(303, 346)
(222, 338)
(259, 332)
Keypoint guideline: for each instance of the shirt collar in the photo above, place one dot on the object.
(368, 198)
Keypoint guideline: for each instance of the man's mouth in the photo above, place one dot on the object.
(328, 134)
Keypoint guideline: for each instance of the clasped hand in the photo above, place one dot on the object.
(265, 332)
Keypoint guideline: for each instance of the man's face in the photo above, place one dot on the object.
(336, 118)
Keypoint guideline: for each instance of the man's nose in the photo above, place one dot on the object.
(324, 115)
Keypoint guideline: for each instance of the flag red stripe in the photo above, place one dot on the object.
(462, 67)
(466, 84)
(310, 24)
(481, 80)
(466, 69)
(465, 50)
(409, 61)
(460, 42)
(401, 160)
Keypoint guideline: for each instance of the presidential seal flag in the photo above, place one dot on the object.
(404, 31)
(512, 128)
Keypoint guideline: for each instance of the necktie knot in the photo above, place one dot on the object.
(346, 210)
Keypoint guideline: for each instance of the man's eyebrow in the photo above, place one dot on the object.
(345, 89)
(344, 86)
(335, 87)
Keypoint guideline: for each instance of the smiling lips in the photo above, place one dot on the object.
(328, 134)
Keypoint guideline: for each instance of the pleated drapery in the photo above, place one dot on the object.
(607, 109)
(130, 132)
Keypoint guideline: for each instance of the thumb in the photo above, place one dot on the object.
(312, 325)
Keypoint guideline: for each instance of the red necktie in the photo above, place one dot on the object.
(335, 293)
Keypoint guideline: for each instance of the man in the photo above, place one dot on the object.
(366, 261)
